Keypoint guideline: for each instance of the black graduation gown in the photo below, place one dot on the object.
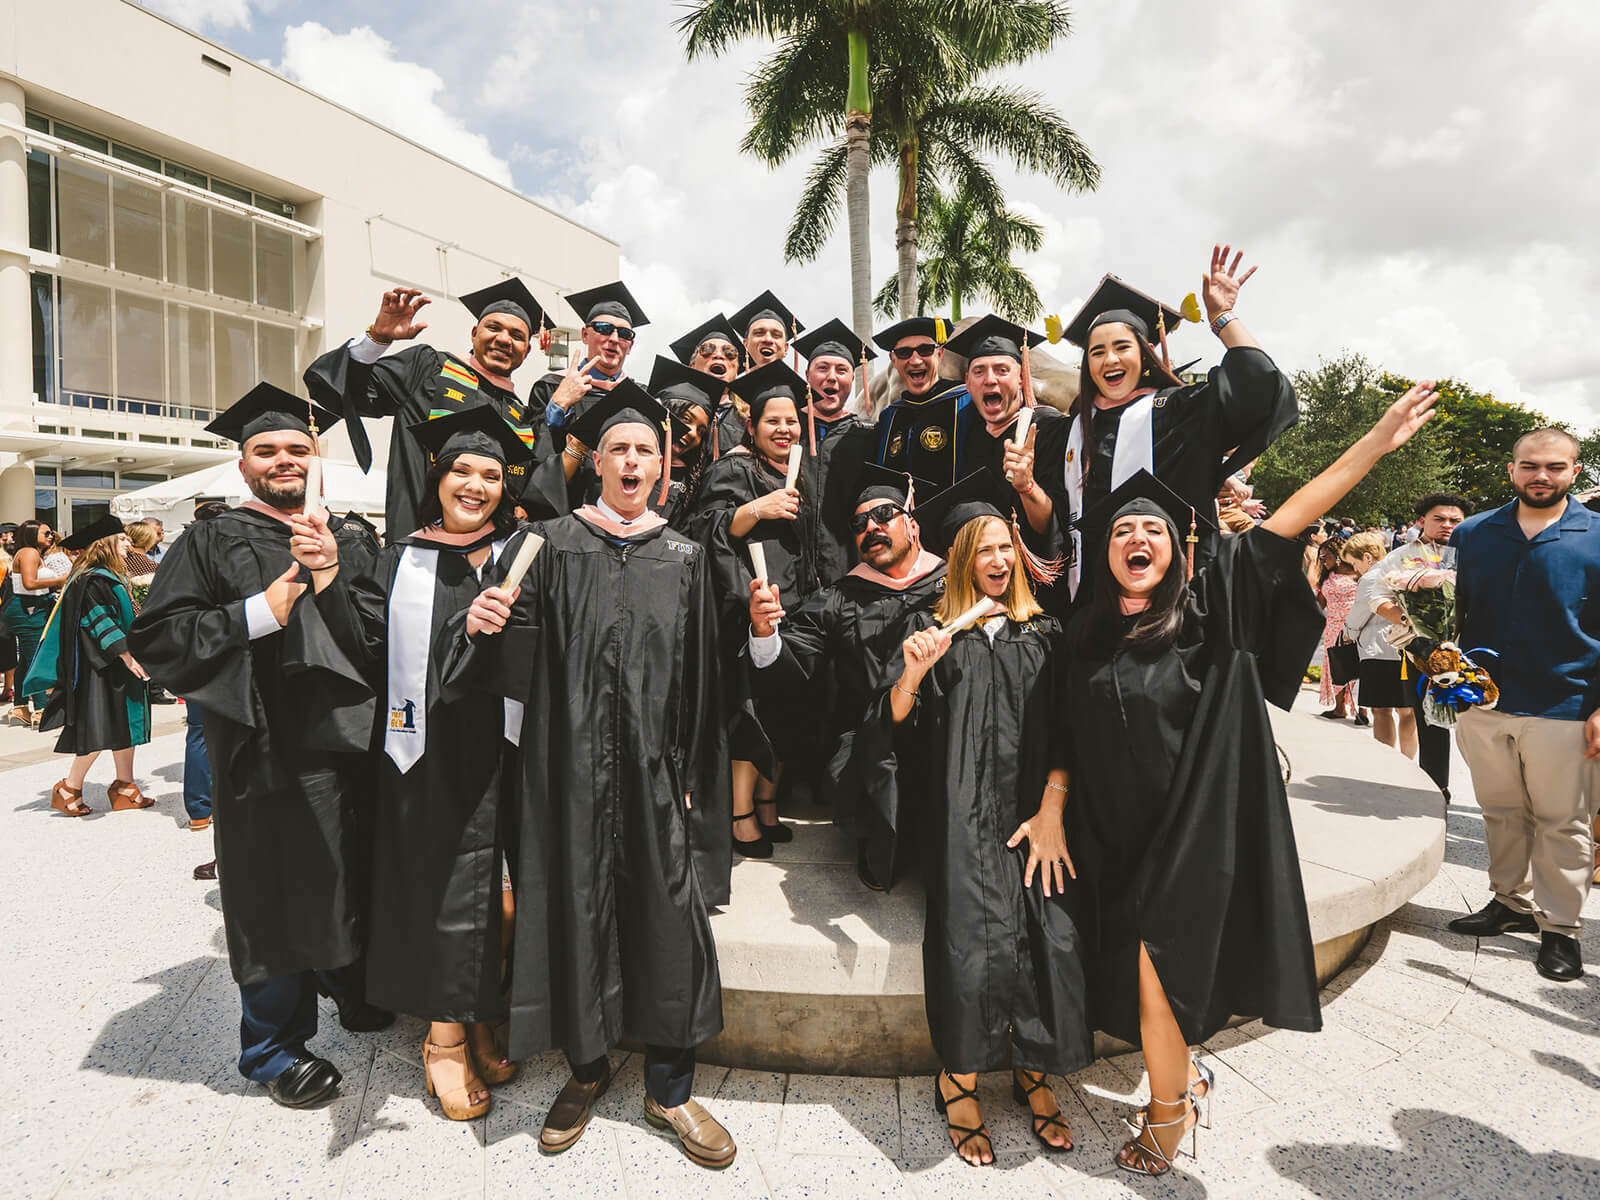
(413, 385)
(924, 435)
(1178, 820)
(613, 645)
(841, 647)
(96, 702)
(983, 451)
(777, 727)
(733, 429)
(433, 939)
(1200, 433)
(1002, 965)
(833, 477)
(288, 720)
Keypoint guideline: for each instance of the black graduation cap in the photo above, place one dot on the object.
(990, 336)
(930, 327)
(717, 327)
(268, 409)
(477, 430)
(834, 339)
(607, 300)
(625, 403)
(769, 306)
(671, 380)
(880, 483)
(1114, 300)
(777, 378)
(942, 517)
(509, 296)
(82, 539)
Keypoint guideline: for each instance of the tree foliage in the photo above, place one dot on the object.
(966, 255)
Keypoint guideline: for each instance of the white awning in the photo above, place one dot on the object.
(344, 486)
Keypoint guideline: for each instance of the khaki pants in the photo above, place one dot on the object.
(1539, 795)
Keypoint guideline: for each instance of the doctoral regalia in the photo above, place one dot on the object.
(612, 644)
(413, 385)
(433, 939)
(1178, 821)
(288, 719)
(842, 646)
(924, 434)
(1190, 438)
(96, 702)
(1002, 964)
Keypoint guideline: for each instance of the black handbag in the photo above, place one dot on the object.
(1344, 657)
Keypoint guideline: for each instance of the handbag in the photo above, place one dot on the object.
(1344, 657)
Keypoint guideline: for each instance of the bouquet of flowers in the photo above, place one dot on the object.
(1425, 590)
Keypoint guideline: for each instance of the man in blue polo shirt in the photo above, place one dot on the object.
(1528, 591)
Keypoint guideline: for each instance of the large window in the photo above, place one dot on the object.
(83, 213)
(86, 341)
(136, 227)
(189, 361)
(188, 243)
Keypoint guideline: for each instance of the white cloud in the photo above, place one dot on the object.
(359, 70)
(204, 14)
(1446, 144)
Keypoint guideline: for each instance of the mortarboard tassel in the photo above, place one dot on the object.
(811, 422)
(1027, 374)
(1042, 570)
(546, 335)
(794, 350)
(1190, 308)
(1192, 539)
(866, 384)
(911, 493)
(939, 330)
(666, 463)
(1161, 328)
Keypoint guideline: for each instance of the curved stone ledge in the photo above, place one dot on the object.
(820, 975)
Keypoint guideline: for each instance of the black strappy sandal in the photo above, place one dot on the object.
(759, 848)
(942, 1107)
(1041, 1121)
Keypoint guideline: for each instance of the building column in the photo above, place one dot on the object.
(16, 326)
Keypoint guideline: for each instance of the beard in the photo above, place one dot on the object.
(1555, 497)
(280, 496)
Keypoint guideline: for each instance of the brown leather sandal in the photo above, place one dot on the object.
(455, 1101)
(68, 800)
(125, 794)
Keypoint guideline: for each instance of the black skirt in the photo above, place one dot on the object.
(1381, 685)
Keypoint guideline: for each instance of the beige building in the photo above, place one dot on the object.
(177, 223)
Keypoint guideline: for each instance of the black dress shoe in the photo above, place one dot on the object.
(1494, 918)
(1559, 958)
(308, 1081)
(355, 1014)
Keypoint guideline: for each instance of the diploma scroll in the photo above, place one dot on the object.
(313, 500)
(795, 450)
(526, 553)
(758, 560)
(1024, 423)
(987, 607)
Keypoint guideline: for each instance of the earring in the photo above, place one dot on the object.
(1147, 373)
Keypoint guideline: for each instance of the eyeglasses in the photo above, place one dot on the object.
(906, 353)
(607, 329)
(880, 514)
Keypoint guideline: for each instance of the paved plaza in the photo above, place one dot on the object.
(1446, 1068)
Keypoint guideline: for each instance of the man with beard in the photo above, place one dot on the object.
(420, 382)
(838, 442)
(766, 324)
(922, 430)
(714, 348)
(286, 732)
(1526, 580)
(841, 644)
(611, 320)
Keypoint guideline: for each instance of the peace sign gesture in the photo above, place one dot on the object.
(397, 315)
(1220, 288)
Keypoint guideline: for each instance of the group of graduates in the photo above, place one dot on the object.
(497, 770)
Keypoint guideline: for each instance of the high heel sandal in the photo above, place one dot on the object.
(1041, 1121)
(1208, 1079)
(968, 1132)
(454, 1101)
(493, 1071)
(68, 800)
(125, 794)
(759, 848)
(1148, 1158)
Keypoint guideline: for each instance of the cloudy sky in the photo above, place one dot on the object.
(1416, 180)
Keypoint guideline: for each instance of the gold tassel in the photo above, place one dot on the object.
(939, 330)
(1193, 539)
(1054, 328)
(1190, 308)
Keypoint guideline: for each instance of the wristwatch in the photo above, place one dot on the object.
(1222, 319)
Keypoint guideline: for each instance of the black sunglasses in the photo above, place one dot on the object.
(607, 329)
(906, 353)
(880, 514)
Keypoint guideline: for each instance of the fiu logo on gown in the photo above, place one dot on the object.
(403, 717)
(932, 438)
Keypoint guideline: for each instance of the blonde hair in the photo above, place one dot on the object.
(143, 534)
(1363, 544)
(103, 552)
(961, 593)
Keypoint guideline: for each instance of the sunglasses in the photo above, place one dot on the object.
(880, 514)
(906, 353)
(607, 329)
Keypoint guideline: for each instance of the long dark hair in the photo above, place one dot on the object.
(689, 475)
(27, 537)
(431, 512)
(1100, 629)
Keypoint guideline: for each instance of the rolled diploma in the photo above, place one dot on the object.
(758, 560)
(313, 501)
(983, 608)
(1024, 422)
(526, 553)
(795, 451)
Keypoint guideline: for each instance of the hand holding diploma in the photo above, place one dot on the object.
(1018, 464)
(765, 611)
(490, 611)
(988, 606)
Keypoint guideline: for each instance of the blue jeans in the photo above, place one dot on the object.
(196, 766)
(278, 1016)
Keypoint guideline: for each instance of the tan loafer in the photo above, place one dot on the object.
(569, 1115)
(703, 1139)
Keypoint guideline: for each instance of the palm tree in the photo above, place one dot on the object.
(823, 69)
(967, 254)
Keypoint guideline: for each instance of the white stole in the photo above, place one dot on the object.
(1135, 451)
(410, 637)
